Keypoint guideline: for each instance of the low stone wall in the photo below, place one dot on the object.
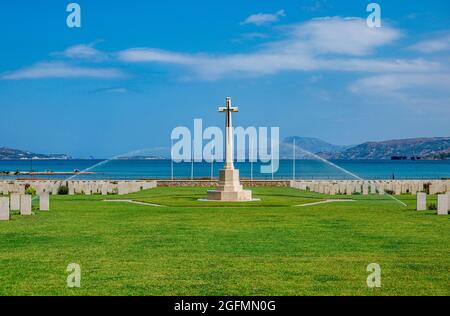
(214, 183)
(187, 183)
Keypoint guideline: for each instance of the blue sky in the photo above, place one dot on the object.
(137, 69)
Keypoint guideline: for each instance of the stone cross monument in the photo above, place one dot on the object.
(229, 188)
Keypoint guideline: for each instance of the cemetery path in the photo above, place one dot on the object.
(324, 202)
(135, 202)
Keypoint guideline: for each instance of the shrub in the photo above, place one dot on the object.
(30, 190)
(426, 188)
(63, 190)
(432, 206)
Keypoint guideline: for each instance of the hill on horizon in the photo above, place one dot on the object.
(424, 148)
(314, 145)
(7, 153)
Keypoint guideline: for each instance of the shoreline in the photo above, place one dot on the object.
(280, 159)
(44, 173)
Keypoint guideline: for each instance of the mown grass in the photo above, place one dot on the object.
(190, 247)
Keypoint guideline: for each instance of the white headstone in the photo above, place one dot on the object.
(373, 189)
(76, 188)
(334, 189)
(404, 187)
(358, 187)
(398, 189)
(365, 188)
(5, 189)
(15, 202)
(420, 186)
(123, 188)
(25, 204)
(131, 187)
(448, 200)
(95, 188)
(349, 189)
(421, 201)
(414, 188)
(442, 204)
(110, 187)
(48, 188)
(44, 202)
(382, 189)
(71, 188)
(87, 188)
(326, 189)
(104, 189)
(148, 185)
(4, 209)
(341, 188)
(55, 188)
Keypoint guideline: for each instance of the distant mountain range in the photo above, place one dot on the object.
(314, 145)
(15, 154)
(413, 148)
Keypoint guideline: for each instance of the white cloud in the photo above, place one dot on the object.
(264, 18)
(250, 36)
(380, 65)
(119, 90)
(81, 51)
(349, 36)
(316, 5)
(404, 85)
(156, 55)
(322, 44)
(438, 44)
(425, 93)
(60, 70)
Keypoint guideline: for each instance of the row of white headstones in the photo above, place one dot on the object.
(109, 187)
(350, 187)
(77, 187)
(22, 203)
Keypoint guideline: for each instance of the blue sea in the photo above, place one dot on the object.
(162, 169)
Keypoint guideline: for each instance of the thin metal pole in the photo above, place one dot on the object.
(212, 161)
(192, 163)
(293, 162)
(171, 159)
(212, 169)
(271, 165)
(251, 161)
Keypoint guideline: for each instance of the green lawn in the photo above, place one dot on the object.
(190, 247)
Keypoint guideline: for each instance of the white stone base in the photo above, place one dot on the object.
(237, 196)
(229, 188)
